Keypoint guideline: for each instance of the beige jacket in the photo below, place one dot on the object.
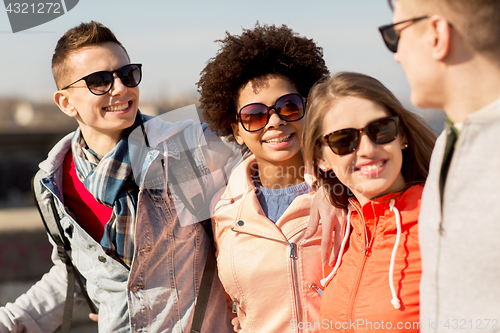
(269, 270)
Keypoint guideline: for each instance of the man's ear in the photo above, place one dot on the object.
(236, 133)
(62, 100)
(441, 37)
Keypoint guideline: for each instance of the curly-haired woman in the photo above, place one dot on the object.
(253, 91)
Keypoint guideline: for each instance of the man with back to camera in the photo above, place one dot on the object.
(450, 52)
(142, 269)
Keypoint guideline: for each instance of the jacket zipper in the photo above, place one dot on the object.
(235, 305)
(361, 268)
(317, 289)
(293, 257)
(355, 293)
(367, 242)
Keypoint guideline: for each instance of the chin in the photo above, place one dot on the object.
(375, 190)
(417, 101)
(422, 100)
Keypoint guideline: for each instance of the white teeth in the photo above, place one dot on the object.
(372, 166)
(279, 140)
(120, 107)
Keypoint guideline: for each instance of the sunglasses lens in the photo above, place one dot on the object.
(99, 82)
(130, 75)
(343, 142)
(290, 107)
(391, 38)
(253, 117)
(382, 131)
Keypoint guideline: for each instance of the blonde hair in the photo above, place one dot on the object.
(415, 132)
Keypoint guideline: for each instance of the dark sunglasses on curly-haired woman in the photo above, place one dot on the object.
(255, 116)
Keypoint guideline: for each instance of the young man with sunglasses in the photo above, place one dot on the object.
(450, 51)
(142, 268)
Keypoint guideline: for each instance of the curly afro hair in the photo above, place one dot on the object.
(256, 53)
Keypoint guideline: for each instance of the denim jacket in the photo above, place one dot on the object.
(158, 293)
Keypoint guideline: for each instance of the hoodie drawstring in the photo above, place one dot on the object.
(324, 281)
(395, 300)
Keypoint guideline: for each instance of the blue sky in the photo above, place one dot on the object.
(174, 40)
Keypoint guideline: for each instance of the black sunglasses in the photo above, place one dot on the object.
(346, 141)
(391, 35)
(99, 83)
(255, 116)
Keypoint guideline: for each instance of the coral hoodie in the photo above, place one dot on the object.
(376, 285)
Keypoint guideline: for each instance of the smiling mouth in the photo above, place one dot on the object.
(371, 167)
(119, 107)
(280, 139)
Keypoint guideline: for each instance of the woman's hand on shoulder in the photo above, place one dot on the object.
(333, 223)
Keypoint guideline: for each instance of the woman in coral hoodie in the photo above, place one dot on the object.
(371, 156)
(253, 91)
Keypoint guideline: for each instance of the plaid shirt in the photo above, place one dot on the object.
(110, 181)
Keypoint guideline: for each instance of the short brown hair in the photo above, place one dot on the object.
(86, 34)
(257, 53)
(414, 130)
(477, 21)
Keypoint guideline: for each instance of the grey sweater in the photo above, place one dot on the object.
(460, 285)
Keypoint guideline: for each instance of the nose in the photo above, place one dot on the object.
(275, 120)
(366, 147)
(118, 87)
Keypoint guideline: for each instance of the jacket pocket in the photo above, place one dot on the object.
(167, 209)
